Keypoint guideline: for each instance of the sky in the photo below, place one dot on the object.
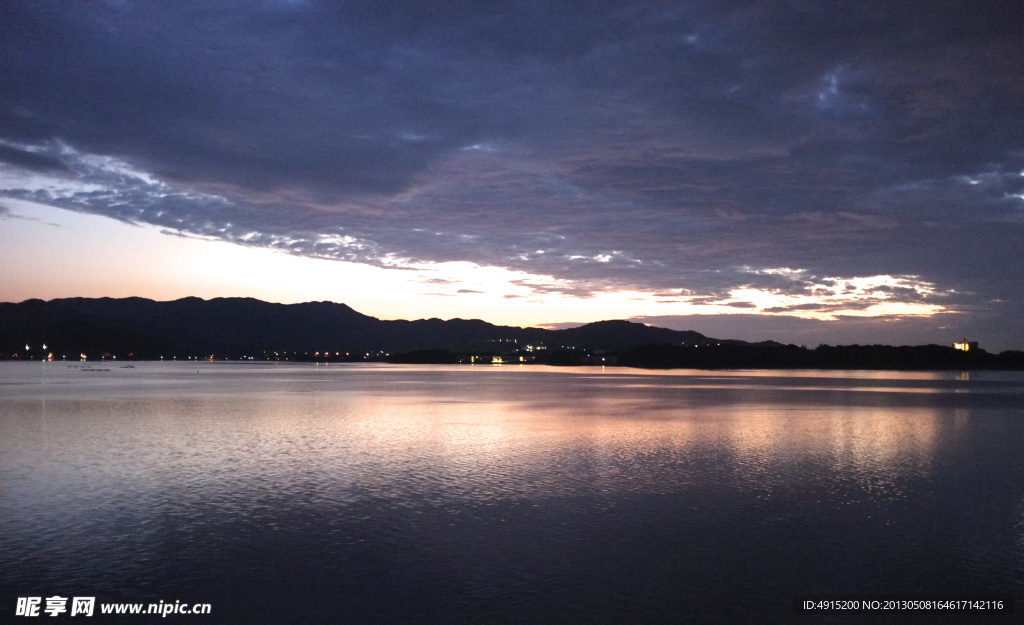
(809, 172)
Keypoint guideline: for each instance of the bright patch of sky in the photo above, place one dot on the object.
(115, 259)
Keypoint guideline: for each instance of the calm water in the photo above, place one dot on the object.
(376, 493)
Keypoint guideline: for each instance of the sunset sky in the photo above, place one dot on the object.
(805, 171)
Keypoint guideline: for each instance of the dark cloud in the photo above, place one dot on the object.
(645, 145)
(30, 160)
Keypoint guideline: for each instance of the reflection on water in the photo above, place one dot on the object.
(540, 493)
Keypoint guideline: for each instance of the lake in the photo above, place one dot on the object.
(372, 493)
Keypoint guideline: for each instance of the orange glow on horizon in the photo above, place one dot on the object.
(94, 256)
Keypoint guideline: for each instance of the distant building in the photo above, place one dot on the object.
(965, 346)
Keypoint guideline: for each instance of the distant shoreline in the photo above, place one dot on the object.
(193, 329)
(120, 363)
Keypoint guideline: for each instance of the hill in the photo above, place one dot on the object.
(237, 327)
(247, 328)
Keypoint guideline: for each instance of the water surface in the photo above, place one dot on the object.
(386, 493)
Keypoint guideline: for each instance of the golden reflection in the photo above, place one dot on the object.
(758, 431)
(882, 440)
(492, 432)
(524, 447)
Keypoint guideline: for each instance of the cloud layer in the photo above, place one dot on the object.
(759, 155)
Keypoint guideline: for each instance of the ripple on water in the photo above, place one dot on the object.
(530, 495)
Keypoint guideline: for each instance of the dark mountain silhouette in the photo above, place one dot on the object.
(730, 355)
(620, 335)
(243, 327)
(235, 327)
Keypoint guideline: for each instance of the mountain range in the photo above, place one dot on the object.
(235, 327)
